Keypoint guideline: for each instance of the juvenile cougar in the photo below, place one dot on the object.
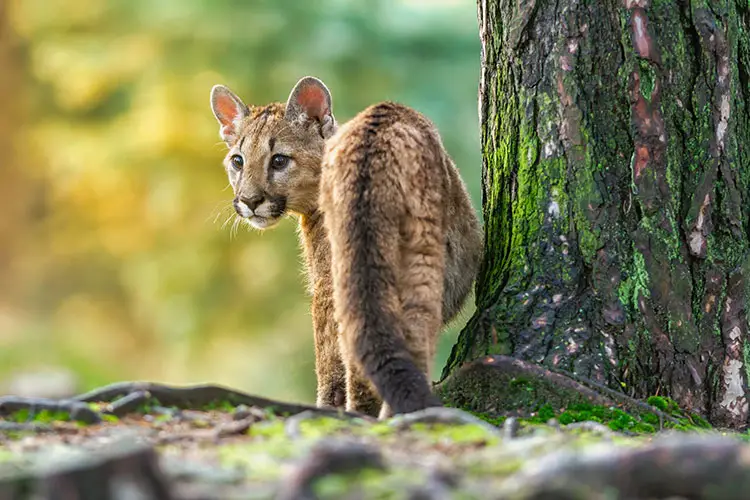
(391, 241)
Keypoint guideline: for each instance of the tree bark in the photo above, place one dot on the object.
(616, 168)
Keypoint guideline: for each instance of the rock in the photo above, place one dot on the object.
(53, 383)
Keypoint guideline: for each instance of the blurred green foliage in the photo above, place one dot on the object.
(114, 260)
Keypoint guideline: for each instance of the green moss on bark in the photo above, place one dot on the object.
(616, 173)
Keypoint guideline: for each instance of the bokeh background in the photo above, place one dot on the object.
(115, 262)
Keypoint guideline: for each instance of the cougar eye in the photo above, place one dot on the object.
(237, 161)
(279, 161)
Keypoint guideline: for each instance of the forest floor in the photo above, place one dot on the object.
(226, 450)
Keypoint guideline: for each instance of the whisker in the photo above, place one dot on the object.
(235, 227)
(220, 209)
(226, 222)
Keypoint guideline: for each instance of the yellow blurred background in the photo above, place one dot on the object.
(114, 262)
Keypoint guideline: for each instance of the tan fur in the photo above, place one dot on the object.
(391, 241)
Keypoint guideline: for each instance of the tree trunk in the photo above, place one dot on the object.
(616, 146)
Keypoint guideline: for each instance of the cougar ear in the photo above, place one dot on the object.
(311, 100)
(227, 108)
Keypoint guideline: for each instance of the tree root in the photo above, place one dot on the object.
(194, 397)
(104, 474)
(26, 427)
(486, 384)
(328, 457)
(77, 410)
(128, 404)
(442, 415)
(440, 484)
(710, 468)
(292, 424)
(128, 397)
(625, 400)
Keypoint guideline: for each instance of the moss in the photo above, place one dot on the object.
(321, 427)
(273, 412)
(41, 417)
(496, 420)
(586, 197)
(494, 395)
(148, 406)
(648, 78)
(268, 429)
(7, 456)
(262, 455)
(370, 483)
(484, 390)
(220, 405)
(261, 460)
(664, 404)
(543, 415)
(342, 485)
(635, 284)
(688, 421)
(615, 418)
(455, 434)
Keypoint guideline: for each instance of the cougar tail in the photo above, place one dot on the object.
(368, 267)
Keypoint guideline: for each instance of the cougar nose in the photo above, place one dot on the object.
(252, 202)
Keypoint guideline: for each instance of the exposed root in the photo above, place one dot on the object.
(126, 397)
(623, 399)
(115, 469)
(292, 424)
(564, 385)
(439, 485)
(26, 427)
(129, 403)
(441, 415)
(678, 466)
(328, 458)
(77, 410)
